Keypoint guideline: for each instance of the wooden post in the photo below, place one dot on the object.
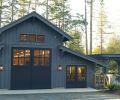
(118, 67)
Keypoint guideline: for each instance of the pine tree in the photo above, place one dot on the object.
(101, 24)
(5, 16)
(59, 13)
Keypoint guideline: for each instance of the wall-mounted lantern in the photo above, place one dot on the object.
(1, 68)
(59, 68)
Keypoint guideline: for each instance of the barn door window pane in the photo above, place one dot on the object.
(36, 53)
(41, 57)
(21, 57)
(15, 56)
(36, 61)
(27, 57)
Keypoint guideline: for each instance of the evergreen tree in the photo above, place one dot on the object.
(76, 43)
(59, 13)
(101, 25)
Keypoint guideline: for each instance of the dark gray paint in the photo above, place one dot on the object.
(10, 38)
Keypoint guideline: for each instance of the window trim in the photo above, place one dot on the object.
(36, 40)
(77, 65)
(31, 56)
(50, 55)
(12, 56)
(40, 41)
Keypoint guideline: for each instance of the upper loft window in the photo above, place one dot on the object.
(32, 38)
(40, 38)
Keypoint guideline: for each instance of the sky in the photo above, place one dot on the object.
(112, 9)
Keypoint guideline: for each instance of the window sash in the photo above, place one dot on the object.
(40, 38)
(40, 59)
(32, 38)
(21, 57)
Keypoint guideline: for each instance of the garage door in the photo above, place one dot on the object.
(76, 76)
(31, 68)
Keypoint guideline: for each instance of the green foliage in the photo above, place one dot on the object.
(113, 67)
(75, 44)
(112, 87)
(113, 46)
(97, 50)
(118, 77)
(59, 13)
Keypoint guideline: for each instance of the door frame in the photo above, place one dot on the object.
(76, 74)
(31, 65)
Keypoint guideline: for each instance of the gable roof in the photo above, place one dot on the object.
(36, 15)
(82, 56)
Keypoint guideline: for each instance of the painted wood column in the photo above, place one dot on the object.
(118, 67)
(118, 62)
(104, 69)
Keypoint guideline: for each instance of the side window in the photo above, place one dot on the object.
(71, 73)
(81, 73)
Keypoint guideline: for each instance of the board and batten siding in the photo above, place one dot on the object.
(64, 59)
(10, 38)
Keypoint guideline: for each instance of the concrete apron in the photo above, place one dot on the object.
(40, 91)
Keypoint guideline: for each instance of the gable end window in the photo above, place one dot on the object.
(40, 38)
(32, 38)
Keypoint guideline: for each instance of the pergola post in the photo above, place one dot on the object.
(104, 70)
(118, 67)
(118, 62)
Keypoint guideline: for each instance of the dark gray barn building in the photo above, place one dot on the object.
(32, 56)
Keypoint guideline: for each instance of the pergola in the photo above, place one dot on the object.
(106, 57)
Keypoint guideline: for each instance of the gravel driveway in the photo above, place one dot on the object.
(61, 96)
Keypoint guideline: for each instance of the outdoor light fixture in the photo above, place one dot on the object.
(1, 68)
(59, 67)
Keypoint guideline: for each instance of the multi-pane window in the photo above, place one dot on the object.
(76, 73)
(40, 38)
(24, 37)
(41, 57)
(81, 73)
(71, 73)
(32, 38)
(34, 57)
(21, 57)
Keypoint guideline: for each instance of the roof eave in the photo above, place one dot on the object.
(34, 14)
(83, 56)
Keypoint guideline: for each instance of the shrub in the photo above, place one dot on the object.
(118, 77)
(113, 87)
(117, 87)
